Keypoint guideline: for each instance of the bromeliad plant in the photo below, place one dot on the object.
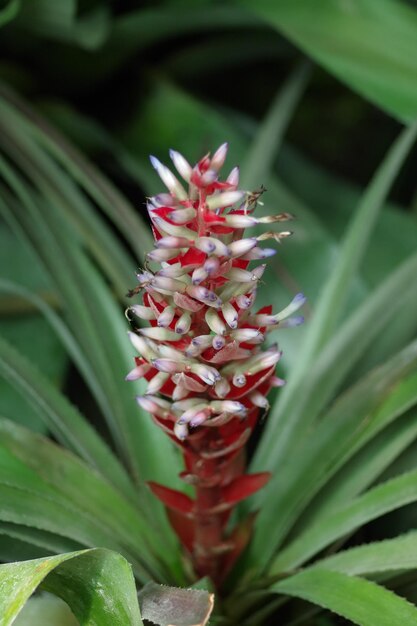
(334, 444)
(208, 377)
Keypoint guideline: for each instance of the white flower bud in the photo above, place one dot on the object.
(166, 317)
(215, 323)
(296, 303)
(230, 314)
(222, 388)
(247, 334)
(188, 415)
(244, 301)
(204, 295)
(259, 253)
(258, 272)
(181, 431)
(242, 246)
(183, 324)
(240, 276)
(142, 346)
(175, 231)
(233, 178)
(259, 400)
(224, 199)
(168, 178)
(211, 245)
(228, 406)
(157, 382)
(143, 312)
(169, 365)
(163, 255)
(138, 372)
(182, 166)
(208, 177)
(202, 341)
(176, 270)
(219, 157)
(167, 284)
(240, 220)
(182, 216)
(198, 275)
(208, 374)
(173, 242)
(160, 334)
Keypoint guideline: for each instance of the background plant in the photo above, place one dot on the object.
(116, 82)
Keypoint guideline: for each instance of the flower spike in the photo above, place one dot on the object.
(201, 347)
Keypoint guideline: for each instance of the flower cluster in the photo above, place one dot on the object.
(208, 377)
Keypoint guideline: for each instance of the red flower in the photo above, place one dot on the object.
(208, 377)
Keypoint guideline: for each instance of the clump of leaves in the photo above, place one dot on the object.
(326, 442)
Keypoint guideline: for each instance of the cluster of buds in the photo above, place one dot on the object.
(208, 377)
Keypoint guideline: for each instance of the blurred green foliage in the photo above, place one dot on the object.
(310, 96)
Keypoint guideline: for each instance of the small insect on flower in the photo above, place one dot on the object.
(201, 347)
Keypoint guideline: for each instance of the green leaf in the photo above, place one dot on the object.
(358, 600)
(9, 11)
(381, 556)
(261, 155)
(97, 585)
(376, 502)
(85, 489)
(281, 431)
(63, 419)
(350, 40)
(353, 420)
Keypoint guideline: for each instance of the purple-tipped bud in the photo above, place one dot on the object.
(211, 245)
(182, 166)
(230, 314)
(198, 275)
(228, 406)
(208, 177)
(239, 380)
(173, 271)
(211, 265)
(168, 284)
(183, 324)
(202, 341)
(168, 365)
(296, 303)
(166, 317)
(240, 276)
(247, 334)
(209, 374)
(277, 382)
(291, 322)
(218, 342)
(244, 302)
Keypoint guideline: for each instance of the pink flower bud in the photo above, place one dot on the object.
(138, 372)
(242, 246)
(233, 178)
(182, 216)
(169, 366)
(158, 381)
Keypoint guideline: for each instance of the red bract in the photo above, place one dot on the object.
(201, 353)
